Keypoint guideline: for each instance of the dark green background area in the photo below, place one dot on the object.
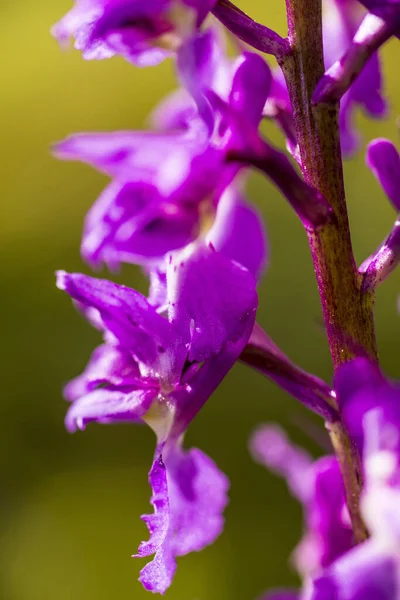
(70, 505)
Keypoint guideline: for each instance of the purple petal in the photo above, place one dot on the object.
(132, 223)
(120, 153)
(198, 493)
(328, 519)
(250, 87)
(198, 62)
(211, 299)
(238, 232)
(319, 487)
(367, 89)
(381, 497)
(144, 33)
(189, 497)
(157, 575)
(271, 447)
(107, 405)
(107, 365)
(365, 573)
(182, 167)
(365, 92)
(201, 380)
(176, 111)
(349, 136)
(157, 523)
(125, 312)
(384, 161)
(202, 64)
(158, 289)
(361, 388)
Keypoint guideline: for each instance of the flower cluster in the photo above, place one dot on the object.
(176, 207)
(332, 567)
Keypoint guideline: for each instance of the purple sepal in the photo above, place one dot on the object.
(122, 154)
(319, 487)
(384, 161)
(361, 388)
(189, 497)
(212, 319)
(110, 405)
(168, 183)
(251, 86)
(365, 573)
(132, 223)
(270, 446)
(238, 232)
(125, 313)
(108, 364)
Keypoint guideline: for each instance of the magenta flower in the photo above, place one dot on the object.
(167, 184)
(319, 487)
(161, 370)
(176, 207)
(371, 409)
(142, 32)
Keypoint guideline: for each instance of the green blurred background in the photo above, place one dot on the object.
(70, 505)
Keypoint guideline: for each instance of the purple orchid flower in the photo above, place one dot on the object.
(370, 406)
(144, 33)
(319, 487)
(365, 573)
(332, 567)
(161, 370)
(167, 184)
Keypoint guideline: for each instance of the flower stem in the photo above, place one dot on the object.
(351, 473)
(348, 311)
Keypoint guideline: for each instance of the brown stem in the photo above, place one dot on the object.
(348, 457)
(347, 310)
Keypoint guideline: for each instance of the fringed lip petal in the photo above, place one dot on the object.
(189, 497)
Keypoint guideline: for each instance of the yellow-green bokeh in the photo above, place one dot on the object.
(70, 505)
